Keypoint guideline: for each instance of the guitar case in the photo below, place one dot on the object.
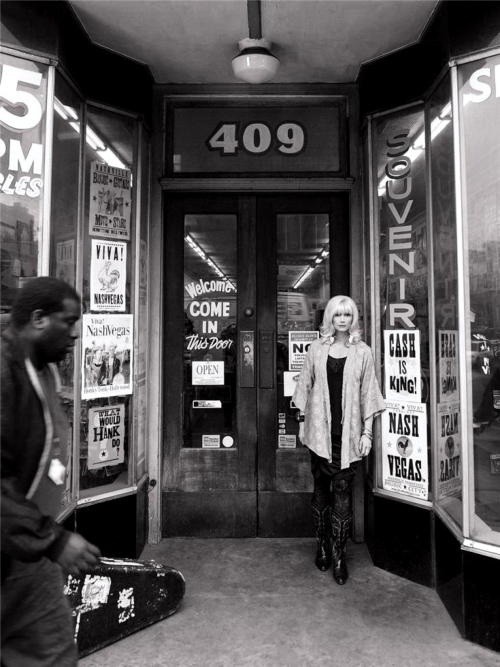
(119, 597)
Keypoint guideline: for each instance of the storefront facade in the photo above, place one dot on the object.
(75, 205)
(206, 229)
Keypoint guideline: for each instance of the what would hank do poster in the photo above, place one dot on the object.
(404, 448)
(402, 374)
(106, 436)
(109, 204)
(108, 274)
(107, 349)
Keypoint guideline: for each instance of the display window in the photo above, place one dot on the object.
(479, 136)
(401, 275)
(107, 342)
(64, 225)
(89, 227)
(448, 460)
(435, 224)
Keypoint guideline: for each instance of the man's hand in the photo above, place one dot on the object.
(78, 555)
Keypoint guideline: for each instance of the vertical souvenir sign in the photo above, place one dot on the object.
(399, 174)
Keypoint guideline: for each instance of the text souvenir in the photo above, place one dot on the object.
(398, 141)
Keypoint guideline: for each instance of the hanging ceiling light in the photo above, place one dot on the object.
(255, 63)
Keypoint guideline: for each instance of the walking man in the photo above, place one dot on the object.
(37, 628)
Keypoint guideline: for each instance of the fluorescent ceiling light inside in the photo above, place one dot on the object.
(110, 158)
(201, 253)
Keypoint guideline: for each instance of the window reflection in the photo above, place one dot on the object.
(303, 289)
(448, 437)
(480, 110)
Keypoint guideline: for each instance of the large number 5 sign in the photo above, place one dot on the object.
(12, 78)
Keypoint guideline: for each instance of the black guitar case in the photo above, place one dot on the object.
(120, 597)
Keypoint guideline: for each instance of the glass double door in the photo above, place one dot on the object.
(246, 281)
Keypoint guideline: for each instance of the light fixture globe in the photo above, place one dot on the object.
(255, 63)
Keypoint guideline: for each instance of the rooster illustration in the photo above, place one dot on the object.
(108, 277)
(403, 444)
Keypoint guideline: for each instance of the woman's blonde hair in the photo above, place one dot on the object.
(341, 305)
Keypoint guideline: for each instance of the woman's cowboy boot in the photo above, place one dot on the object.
(341, 525)
(321, 520)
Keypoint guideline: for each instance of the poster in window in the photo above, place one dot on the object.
(402, 365)
(298, 345)
(106, 436)
(404, 448)
(448, 366)
(207, 372)
(108, 276)
(107, 350)
(110, 201)
(449, 443)
(66, 261)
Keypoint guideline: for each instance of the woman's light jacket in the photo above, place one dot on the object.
(361, 398)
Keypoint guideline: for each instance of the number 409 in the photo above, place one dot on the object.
(257, 138)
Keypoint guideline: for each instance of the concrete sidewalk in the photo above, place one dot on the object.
(262, 602)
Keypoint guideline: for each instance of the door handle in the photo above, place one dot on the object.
(247, 358)
(267, 348)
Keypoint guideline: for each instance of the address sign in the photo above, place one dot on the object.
(265, 139)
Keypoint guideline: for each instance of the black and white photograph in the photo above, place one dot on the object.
(250, 322)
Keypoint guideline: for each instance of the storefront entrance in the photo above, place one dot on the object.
(246, 281)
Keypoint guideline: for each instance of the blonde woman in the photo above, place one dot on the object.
(338, 396)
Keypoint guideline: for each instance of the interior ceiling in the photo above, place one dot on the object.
(194, 41)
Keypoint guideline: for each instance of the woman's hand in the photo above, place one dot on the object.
(365, 445)
(301, 432)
